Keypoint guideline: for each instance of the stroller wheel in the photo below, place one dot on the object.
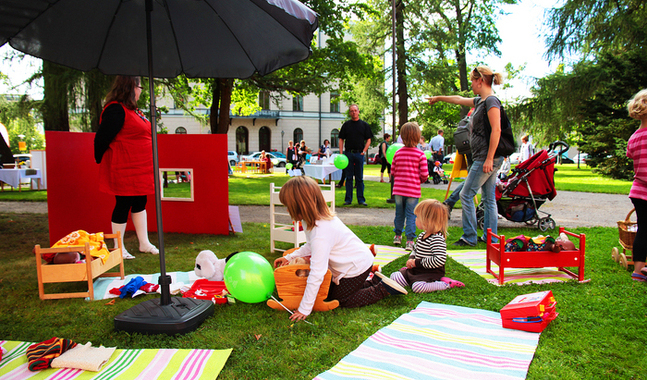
(445, 181)
(615, 254)
(481, 222)
(546, 224)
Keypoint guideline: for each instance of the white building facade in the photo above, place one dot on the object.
(310, 118)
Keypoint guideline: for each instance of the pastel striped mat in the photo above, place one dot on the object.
(386, 254)
(436, 341)
(102, 285)
(475, 260)
(142, 364)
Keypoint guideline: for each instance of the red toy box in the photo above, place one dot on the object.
(530, 312)
(207, 290)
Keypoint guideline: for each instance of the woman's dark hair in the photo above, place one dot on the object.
(123, 91)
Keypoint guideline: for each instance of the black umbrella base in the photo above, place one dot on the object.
(180, 316)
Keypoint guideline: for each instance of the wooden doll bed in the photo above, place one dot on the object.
(88, 271)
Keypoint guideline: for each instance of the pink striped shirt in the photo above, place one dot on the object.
(637, 151)
(409, 169)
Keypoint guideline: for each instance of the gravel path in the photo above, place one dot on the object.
(568, 209)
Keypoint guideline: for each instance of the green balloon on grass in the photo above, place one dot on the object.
(288, 166)
(341, 161)
(390, 152)
(249, 277)
(428, 154)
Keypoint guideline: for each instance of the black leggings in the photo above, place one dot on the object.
(132, 203)
(639, 252)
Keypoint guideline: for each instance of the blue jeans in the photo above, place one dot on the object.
(404, 209)
(355, 169)
(455, 195)
(476, 180)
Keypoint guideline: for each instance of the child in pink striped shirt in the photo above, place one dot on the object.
(637, 151)
(409, 171)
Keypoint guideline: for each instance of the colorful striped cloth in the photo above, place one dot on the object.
(140, 364)
(436, 341)
(386, 254)
(475, 260)
(102, 285)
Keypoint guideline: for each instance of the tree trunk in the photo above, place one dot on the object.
(401, 65)
(97, 85)
(219, 118)
(55, 107)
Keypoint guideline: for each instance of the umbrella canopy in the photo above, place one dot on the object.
(200, 38)
(161, 38)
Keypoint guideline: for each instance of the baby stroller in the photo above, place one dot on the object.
(438, 174)
(527, 188)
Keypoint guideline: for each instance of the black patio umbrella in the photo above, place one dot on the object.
(162, 38)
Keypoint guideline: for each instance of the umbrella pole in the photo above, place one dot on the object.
(164, 279)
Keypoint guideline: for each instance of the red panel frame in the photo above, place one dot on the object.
(75, 202)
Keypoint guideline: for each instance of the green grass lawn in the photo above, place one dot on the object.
(596, 335)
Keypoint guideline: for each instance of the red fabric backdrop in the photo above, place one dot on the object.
(75, 202)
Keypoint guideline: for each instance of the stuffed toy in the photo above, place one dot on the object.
(208, 265)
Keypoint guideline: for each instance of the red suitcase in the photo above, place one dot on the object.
(530, 312)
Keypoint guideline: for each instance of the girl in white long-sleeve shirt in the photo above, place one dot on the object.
(330, 245)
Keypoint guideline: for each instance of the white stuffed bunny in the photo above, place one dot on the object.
(208, 265)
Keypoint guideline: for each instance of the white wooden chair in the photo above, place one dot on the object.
(289, 231)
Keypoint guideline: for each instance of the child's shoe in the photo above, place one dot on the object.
(391, 286)
(452, 283)
(397, 240)
(409, 246)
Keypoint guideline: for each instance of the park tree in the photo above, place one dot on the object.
(586, 104)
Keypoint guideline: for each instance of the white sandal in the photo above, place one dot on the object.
(126, 255)
(150, 249)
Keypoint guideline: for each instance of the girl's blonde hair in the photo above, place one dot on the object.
(637, 106)
(433, 216)
(410, 133)
(304, 201)
(489, 77)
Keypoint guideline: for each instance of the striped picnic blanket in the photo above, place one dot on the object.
(386, 254)
(475, 260)
(436, 341)
(144, 364)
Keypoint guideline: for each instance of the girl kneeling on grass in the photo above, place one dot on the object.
(331, 245)
(425, 269)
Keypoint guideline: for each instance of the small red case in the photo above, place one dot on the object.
(530, 312)
(207, 290)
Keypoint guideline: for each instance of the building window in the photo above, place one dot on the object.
(334, 138)
(264, 138)
(334, 103)
(297, 103)
(298, 136)
(180, 131)
(242, 138)
(264, 100)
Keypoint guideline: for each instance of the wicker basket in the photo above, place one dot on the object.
(627, 237)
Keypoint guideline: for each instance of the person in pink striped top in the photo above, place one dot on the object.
(409, 171)
(637, 151)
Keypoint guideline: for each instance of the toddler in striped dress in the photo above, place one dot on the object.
(425, 270)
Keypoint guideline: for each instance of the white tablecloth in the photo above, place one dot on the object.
(13, 177)
(321, 172)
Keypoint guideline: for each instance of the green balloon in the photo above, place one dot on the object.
(390, 152)
(249, 277)
(428, 154)
(288, 166)
(341, 161)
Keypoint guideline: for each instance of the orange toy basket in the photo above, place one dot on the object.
(291, 287)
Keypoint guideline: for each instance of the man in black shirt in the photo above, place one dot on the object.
(354, 140)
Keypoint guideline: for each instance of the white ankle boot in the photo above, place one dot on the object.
(121, 227)
(141, 228)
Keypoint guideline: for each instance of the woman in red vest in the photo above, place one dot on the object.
(123, 148)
